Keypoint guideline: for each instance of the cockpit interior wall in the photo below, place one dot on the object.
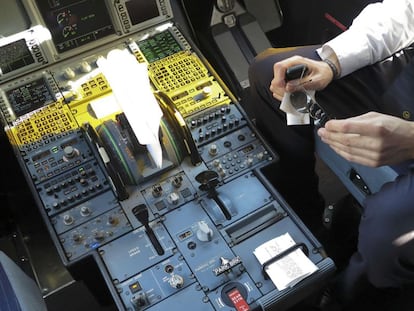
(14, 19)
(142, 166)
(199, 16)
(314, 21)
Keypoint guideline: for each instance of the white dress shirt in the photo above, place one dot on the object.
(380, 30)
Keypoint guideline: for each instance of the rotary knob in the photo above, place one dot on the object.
(207, 91)
(85, 67)
(85, 211)
(70, 152)
(68, 220)
(139, 300)
(99, 235)
(113, 221)
(204, 232)
(69, 74)
(77, 237)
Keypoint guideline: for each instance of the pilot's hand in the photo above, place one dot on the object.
(318, 76)
(372, 139)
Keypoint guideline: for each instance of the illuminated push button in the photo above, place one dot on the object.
(135, 287)
(204, 232)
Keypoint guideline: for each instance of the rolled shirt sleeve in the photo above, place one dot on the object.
(381, 29)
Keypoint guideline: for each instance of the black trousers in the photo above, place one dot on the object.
(385, 256)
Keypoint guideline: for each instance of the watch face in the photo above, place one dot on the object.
(225, 5)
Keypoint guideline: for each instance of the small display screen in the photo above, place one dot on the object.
(74, 23)
(140, 11)
(15, 55)
(29, 96)
(159, 46)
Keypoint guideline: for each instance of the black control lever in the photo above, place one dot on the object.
(141, 213)
(302, 101)
(296, 72)
(208, 181)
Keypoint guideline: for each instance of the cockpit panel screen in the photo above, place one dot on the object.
(141, 11)
(74, 23)
(29, 96)
(14, 56)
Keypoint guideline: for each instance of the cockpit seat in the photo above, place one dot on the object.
(18, 292)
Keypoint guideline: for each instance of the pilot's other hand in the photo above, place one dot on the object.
(371, 139)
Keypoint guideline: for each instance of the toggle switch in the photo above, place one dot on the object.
(213, 150)
(176, 281)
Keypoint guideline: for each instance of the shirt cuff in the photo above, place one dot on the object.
(350, 58)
